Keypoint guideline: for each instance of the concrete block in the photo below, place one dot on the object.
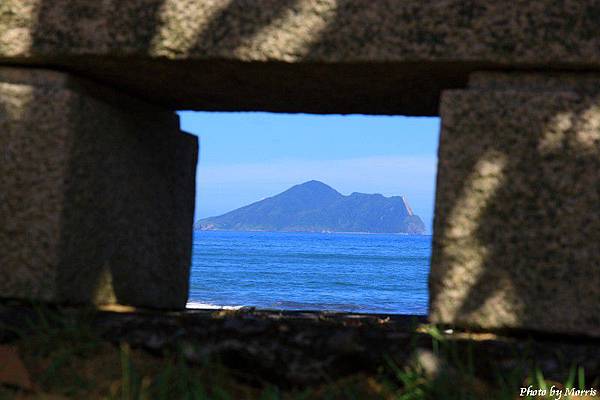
(96, 194)
(517, 220)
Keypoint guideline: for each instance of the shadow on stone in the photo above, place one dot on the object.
(515, 234)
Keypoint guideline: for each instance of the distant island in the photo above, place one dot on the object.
(316, 207)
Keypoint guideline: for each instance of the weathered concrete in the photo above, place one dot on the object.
(96, 194)
(322, 56)
(517, 209)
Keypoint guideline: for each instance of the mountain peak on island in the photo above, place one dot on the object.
(316, 185)
(314, 206)
(313, 187)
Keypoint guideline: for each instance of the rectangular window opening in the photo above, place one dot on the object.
(313, 212)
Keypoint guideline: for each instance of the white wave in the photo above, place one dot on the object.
(208, 306)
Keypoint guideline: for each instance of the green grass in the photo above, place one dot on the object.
(458, 380)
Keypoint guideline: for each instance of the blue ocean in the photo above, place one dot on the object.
(364, 273)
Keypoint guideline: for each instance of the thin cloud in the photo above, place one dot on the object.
(381, 171)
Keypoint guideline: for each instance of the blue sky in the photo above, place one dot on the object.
(245, 157)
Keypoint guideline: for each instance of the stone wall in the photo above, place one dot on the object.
(97, 181)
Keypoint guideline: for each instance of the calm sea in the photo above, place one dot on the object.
(311, 271)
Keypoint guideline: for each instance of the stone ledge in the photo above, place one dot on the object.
(321, 56)
(300, 348)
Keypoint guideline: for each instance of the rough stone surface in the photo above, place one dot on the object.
(301, 348)
(96, 198)
(517, 210)
(325, 56)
